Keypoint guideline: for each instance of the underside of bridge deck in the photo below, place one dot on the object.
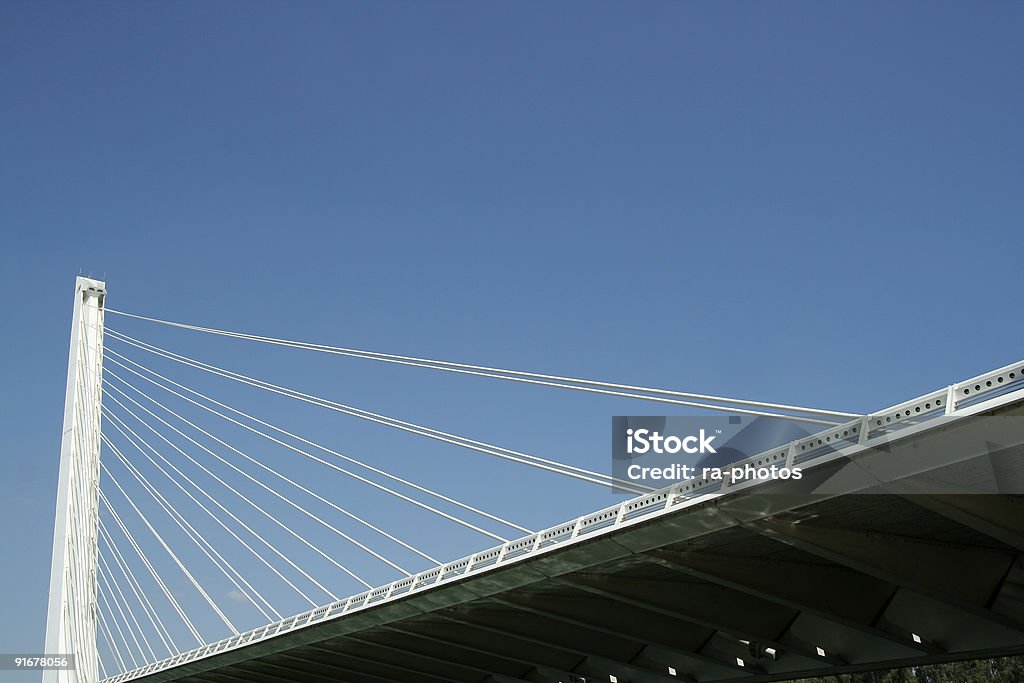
(835, 585)
(753, 586)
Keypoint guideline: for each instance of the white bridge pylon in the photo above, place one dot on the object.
(71, 619)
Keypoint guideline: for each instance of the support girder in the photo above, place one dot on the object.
(996, 516)
(644, 628)
(809, 588)
(219, 676)
(965, 577)
(364, 659)
(592, 661)
(562, 670)
(311, 676)
(465, 647)
(374, 639)
(706, 605)
(356, 667)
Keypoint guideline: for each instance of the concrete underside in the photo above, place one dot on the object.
(746, 587)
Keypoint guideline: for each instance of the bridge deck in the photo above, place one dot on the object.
(850, 568)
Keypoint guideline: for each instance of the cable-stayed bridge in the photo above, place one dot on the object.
(195, 550)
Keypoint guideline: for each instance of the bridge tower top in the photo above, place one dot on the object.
(71, 617)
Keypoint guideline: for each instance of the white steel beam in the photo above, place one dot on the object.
(72, 613)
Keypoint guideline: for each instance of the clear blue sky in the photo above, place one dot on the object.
(816, 203)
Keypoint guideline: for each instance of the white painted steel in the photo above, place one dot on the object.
(244, 588)
(205, 509)
(152, 571)
(557, 381)
(429, 432)
(290, 447)
(235, 491)
(302, 488)
(184, 570)
(71, 619)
